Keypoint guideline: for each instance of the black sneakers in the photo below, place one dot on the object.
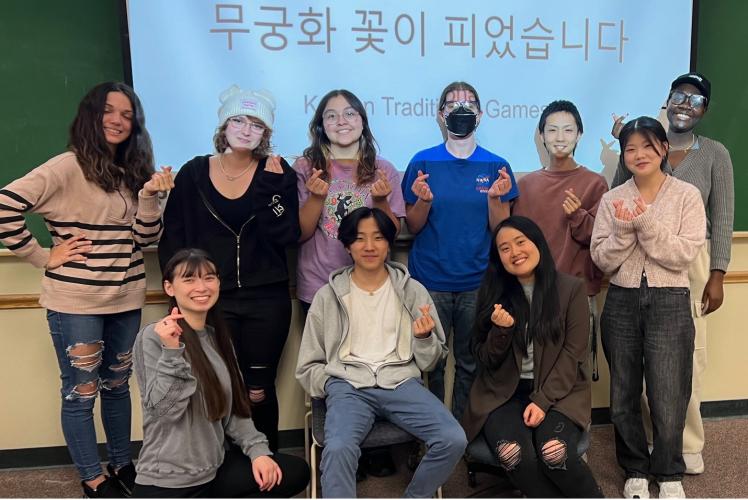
(124, 477)
(106, 489)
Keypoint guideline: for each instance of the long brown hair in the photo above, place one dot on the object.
(194, 262)
(318, 153)
(132, 162)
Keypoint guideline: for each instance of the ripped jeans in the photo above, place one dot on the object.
(536, 460)
(94, 353)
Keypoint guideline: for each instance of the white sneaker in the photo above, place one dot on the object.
(694, 463)
(636, 487)
(672, 489)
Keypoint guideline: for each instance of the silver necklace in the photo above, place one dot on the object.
(693, 141)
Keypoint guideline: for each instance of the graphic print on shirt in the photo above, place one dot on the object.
(482, 183)
(343, 197)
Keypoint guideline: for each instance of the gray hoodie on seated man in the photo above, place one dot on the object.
(369, 335)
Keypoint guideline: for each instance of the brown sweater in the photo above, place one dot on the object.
(561, 378)
(541, 198)
(112, 279)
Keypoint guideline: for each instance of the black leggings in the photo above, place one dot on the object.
(555, 474)
(234, 479)
(259, 327)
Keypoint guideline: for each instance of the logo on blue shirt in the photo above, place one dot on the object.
(482, 183)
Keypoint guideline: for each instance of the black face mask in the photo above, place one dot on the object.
(461, 122)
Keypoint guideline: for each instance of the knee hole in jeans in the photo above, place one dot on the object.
(125, 362)
(109, 384)
(86, 357)
(509, 454)
(554, 454)
(86, 390)
(256, 395)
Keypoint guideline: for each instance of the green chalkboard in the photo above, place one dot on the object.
(721, 55)
(52, 52)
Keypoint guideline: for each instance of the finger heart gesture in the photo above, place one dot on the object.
(317, 186)
(423, 326)
(421, 188)
(168, 329)
(501, 317)
(571, 203)
(381, 187)
(501, 186)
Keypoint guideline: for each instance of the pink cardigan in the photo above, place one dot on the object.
(661, 242)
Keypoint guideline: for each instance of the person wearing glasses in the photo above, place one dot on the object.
(706, 164)
(240, 205)
(339, 172)
(455, 193)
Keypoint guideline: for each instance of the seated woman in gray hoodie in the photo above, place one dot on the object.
(368, 336)
(198, 437)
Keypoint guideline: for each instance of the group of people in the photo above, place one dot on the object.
(509, 269)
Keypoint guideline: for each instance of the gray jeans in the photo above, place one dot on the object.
(648, 333)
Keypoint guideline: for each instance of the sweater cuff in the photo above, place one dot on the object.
(622, 226)
(719, 264)
(645, 222)
(38, 258)
(259, 450)
(148, 205)
(171, 353)
(539, 399)
(577, 216)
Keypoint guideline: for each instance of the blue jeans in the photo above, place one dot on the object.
(350, 416)
(649, 333)
(94, 353)
(456, 312)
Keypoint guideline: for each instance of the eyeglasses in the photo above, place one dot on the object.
(348, 115)
(237, 123)
(694, 100)
(453, 105)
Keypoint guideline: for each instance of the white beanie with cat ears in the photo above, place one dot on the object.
(256, 103)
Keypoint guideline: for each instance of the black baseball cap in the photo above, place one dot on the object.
(697, 80)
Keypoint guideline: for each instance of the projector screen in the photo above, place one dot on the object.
(606, 56)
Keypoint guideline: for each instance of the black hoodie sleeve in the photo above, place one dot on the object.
(174, 237)
(276, 205)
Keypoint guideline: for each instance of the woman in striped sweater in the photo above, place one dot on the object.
(99, 201)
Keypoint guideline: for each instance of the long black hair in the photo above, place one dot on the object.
(132, 162)
(194, 262)
(541, 320)
(318, 153)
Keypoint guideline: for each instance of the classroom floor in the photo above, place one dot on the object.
(725, 476)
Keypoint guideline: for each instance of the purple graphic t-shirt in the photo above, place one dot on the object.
(323, 253)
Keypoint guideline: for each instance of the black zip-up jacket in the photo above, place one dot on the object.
(256, 255)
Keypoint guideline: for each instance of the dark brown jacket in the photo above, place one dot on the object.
(562, 378)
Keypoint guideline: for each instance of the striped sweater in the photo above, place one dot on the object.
(112, 279)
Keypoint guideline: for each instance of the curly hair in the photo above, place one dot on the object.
(131, 164)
